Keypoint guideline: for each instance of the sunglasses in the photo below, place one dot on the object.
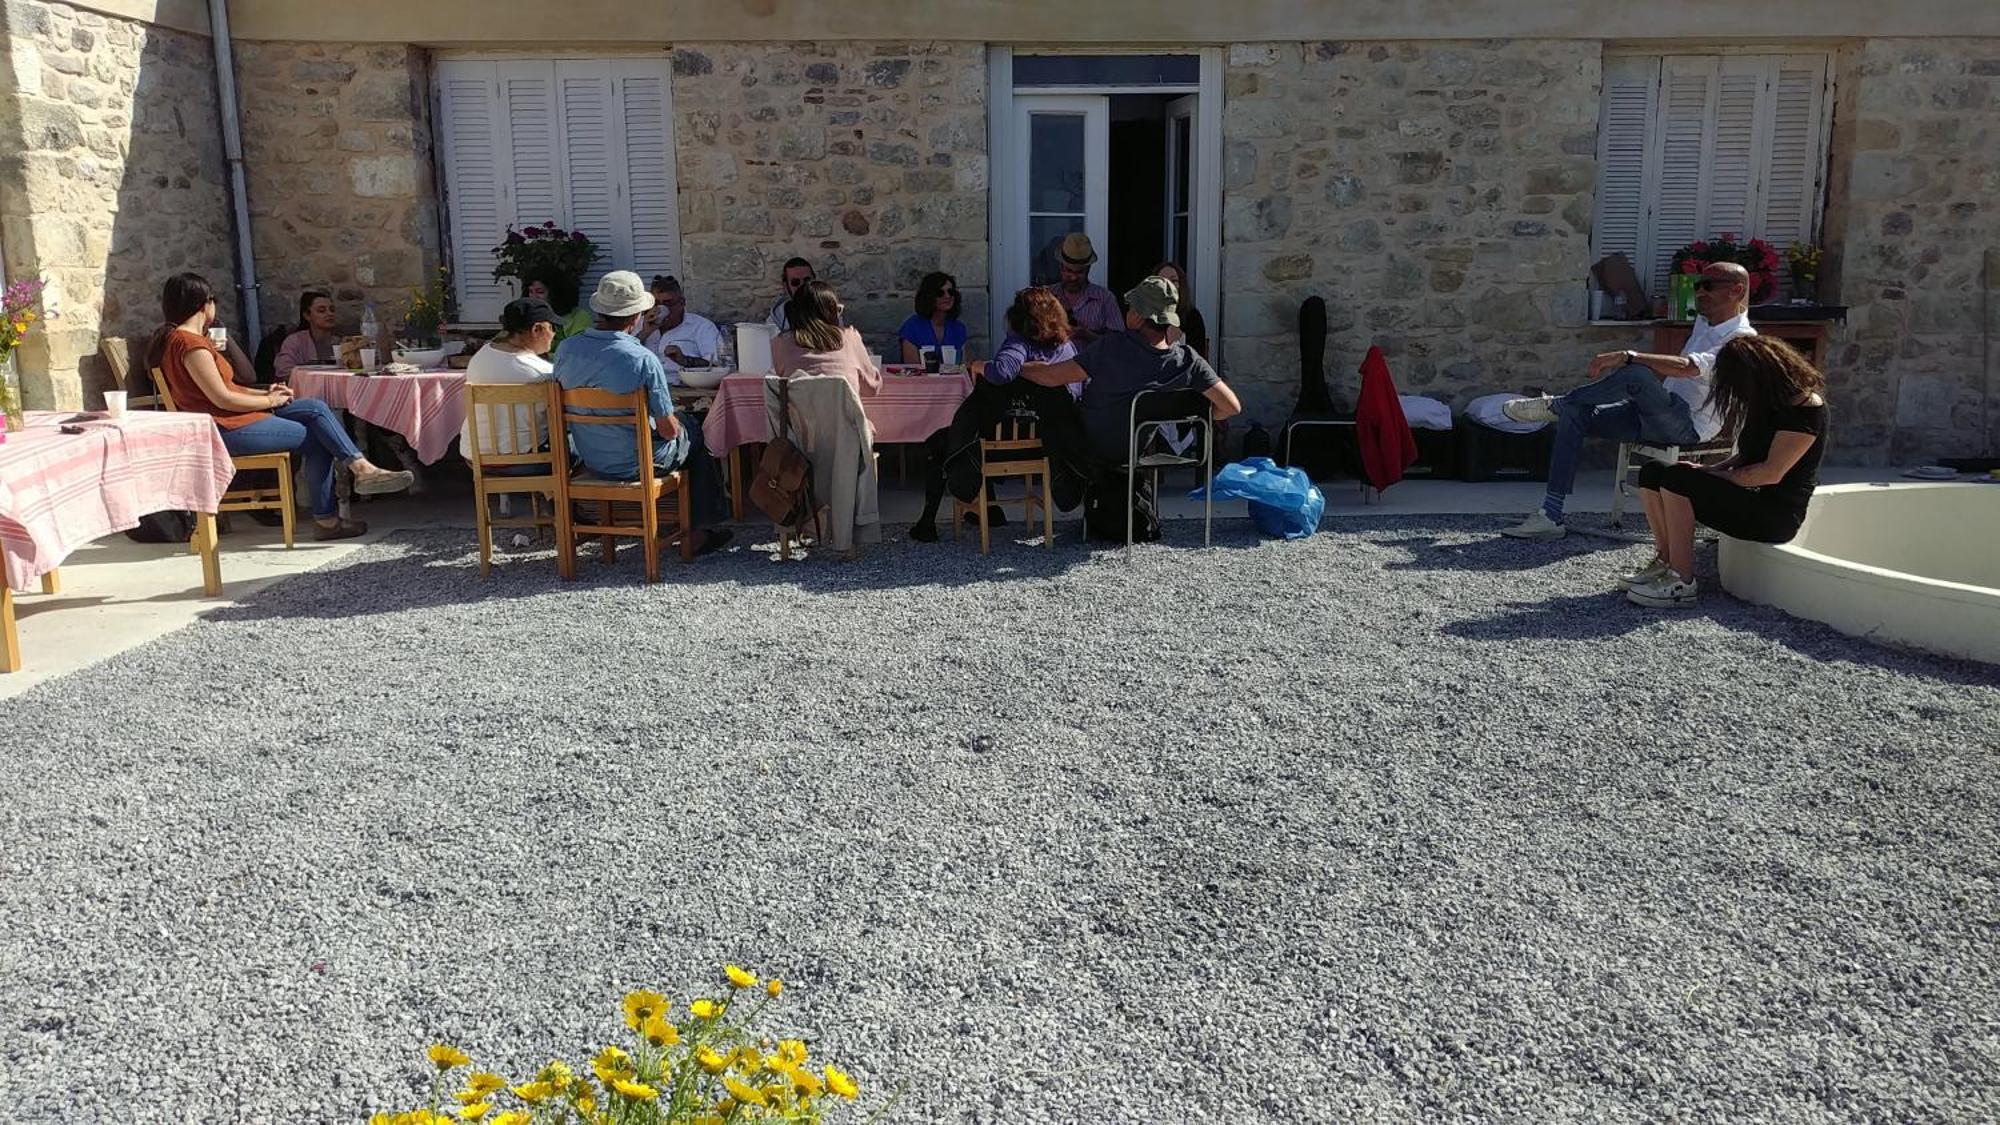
(947, 291)
(1708, 283)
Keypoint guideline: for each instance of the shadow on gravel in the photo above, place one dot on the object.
(441, 568)
(1442, 552)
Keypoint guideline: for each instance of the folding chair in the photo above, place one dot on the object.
(574, 485)
(260, 499)
(498, 414)
(1633, 454)
(1016, 439)
(1162, 408)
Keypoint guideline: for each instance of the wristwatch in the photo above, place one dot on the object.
(1631, 357)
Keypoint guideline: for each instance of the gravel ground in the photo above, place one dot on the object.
(1403, 823)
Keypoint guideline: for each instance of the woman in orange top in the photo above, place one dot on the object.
(258, 420)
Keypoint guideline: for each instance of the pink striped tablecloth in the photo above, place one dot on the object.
(428, 408)
(907, 408)
(59, 491)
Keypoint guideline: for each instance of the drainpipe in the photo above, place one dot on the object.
(232, 151)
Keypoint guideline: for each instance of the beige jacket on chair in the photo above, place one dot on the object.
(829, 427)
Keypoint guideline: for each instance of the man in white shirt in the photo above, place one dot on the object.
(680, 338)
(797, 272)
(1639, 397)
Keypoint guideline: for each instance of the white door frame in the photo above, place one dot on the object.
(1177, 110)
(1095, 110)
(1006, 147)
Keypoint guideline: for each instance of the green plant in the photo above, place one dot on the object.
(1754, 255)
(20, 308)
(544, 247)
(430, 307)
(706, 1068)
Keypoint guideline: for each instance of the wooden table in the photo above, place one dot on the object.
(59, 491)
(1809, 336)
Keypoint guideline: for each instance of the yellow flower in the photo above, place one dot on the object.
(806, 1082)
(838, 1081)
(557, 1074)
(641, 1005)
(792, 1051)
(708, 1060)
(611, 1063)
(775, 988)
(743, 1091)
(485, 1082)
(474, 1112)
(749, 1059)
(703, 1009)
(467, 1097)
(660, 1033)
(534, 1093)
(637, 1091)
(738, 978)
(586, 1100)
(513, 1117)
(444, 1056)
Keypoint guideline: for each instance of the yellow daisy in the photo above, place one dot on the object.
(474, 1112)
(838, 1081)
(637, 1091)
(611, 1063)
(706, 1058)
(703, 1009)
(774, 988)
(512, 1117)
(641, 1006)
(660, 1033)
(738, 978)
(444, 1056)
(742, 1091)
(535, 1093)
(486, 1082)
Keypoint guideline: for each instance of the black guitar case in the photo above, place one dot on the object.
(1322, 451)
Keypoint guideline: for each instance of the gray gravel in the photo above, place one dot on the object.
(1404, 823)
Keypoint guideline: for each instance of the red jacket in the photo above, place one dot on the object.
(1387, 446)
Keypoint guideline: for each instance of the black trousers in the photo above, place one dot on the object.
(1733, 510)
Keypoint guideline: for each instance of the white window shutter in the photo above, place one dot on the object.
(528, 97)
(1736, 147)
(1797, 161)
(593, 163)
(652, 201)
(1624, 145)
(474, 149)
(1687, 109)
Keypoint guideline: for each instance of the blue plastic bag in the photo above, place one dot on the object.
(1283, 502)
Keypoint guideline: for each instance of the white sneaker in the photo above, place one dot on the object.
(1646, 575)
(1541, 409)
(1536, 526)
(1671, 592)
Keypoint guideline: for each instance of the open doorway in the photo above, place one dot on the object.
(1123, 148)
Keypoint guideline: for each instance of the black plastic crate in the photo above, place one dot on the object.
(1489, 454)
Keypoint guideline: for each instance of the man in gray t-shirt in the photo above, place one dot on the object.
(1114, 368)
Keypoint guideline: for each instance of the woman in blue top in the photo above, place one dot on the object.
(936, 323)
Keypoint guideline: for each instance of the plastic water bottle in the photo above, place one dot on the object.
(368, 322)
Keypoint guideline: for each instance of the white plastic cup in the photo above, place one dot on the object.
(950, 356)
(219, 335)
(114, 403)
(877, 361)
(367, 359)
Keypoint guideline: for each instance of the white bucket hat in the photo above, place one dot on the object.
(621, 293)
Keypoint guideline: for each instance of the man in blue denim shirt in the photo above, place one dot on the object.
(608, 357)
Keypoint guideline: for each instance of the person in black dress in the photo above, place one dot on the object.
(1771, 398)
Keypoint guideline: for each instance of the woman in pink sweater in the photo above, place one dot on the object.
(818, 344)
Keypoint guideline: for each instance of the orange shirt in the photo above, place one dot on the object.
(187, 393)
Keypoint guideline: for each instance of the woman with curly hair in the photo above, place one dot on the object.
(1770, 397)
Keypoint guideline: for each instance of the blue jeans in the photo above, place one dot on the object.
(306, 426)
(1629, 404)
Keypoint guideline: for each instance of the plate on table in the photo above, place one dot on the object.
(701, 378)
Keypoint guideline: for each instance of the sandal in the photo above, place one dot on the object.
(339, 529)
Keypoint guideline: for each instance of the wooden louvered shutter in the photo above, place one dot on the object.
(474, 148)
(593, 163)
(1686, 109)
(651, 199)
(1796, 165)
(1625, 149)
(1736, 148)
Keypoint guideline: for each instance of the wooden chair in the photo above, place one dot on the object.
(278, 499)
(117, 353)
(1633, 454)
(511, 409)
(1018, 447)
(574, 486)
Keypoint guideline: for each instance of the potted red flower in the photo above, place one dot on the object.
(1755, 255)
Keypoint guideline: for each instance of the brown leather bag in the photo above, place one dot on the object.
(782, 486)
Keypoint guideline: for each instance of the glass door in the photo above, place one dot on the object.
(1062, 182)
(1180, 183)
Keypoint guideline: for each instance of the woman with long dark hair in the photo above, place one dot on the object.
(258, 420)
(1194, 328)
(1770, 397)
(313, 341)
(561, 292)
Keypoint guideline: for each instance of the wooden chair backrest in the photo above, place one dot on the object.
(493, 409)
(616, 410)
(160, 388)
(1013, 433)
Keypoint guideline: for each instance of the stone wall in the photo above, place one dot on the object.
(343, 195)
(867, 159)
(1913, 240)
(1438, 195)
(110, 180)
